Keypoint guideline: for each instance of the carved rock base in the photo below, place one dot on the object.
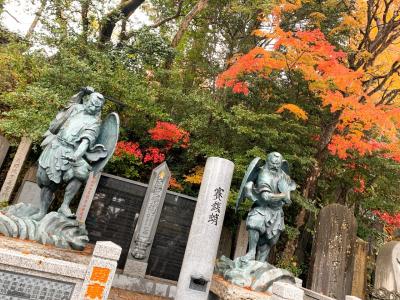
(225, 290)
(54, 229)
(252, 274)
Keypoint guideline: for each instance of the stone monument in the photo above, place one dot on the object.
(77, 142)
(201, 250)
(387, 273)
(268, 185)
(331, 266)
(146, 225)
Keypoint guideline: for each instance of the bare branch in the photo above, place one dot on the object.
(176, 15)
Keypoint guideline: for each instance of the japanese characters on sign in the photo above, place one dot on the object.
(216, 206)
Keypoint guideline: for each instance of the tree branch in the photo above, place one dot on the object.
(186, 21)
(123, 10)
(176, 15)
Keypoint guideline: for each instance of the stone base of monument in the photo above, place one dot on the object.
(29, 269)
(225, 290)
(147, 285)
(252, 274)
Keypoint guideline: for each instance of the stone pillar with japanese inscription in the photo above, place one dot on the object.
(201, 250)
(100, 272)
(331, 266)
(15, 169)
(149, 216)
(4, 146)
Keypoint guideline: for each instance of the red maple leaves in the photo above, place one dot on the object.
(364, 127)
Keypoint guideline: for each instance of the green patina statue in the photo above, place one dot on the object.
(78, 142)
(69, 146)
(268, 186)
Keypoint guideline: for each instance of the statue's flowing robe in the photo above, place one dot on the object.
(68, 130)
(266, 215)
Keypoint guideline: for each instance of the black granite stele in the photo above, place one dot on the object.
(112, 214)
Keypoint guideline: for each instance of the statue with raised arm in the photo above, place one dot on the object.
(77, 142)
(268, 185)
(70, 149)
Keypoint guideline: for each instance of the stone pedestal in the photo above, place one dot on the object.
(224, 290)
(286, 291)
(201, 250)
(54, 273)
(15, 169)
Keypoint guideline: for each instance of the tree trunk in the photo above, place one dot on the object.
(312, 181)
(35, 21)
(85, 19)
(202, 4)
(122, 11)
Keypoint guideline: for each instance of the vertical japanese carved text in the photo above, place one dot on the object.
(150, 212)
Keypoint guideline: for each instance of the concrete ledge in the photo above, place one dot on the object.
(283, 290)
(144, 285)
(42, 264)
(311, 295)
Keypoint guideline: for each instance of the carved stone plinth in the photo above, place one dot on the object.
(225, 290)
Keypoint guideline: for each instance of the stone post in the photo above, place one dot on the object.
(331, 266)
(101, 271)
(286, 291)
(15, 169)
(29, 191)
(145, 230)
(359, 284)
(201, 249)
(387, 272)
(352, 298)
(87, 197)
(4, 146)
(242, 239)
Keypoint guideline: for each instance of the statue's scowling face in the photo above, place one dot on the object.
(274, 161)
(94, 104)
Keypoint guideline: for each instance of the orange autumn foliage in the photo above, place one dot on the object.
(294, 109)
(361, 127)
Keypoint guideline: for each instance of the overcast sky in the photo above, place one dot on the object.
(20, 14)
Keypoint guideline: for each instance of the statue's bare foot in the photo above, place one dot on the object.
(249, 256)
(38, 216)
(66, 211)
